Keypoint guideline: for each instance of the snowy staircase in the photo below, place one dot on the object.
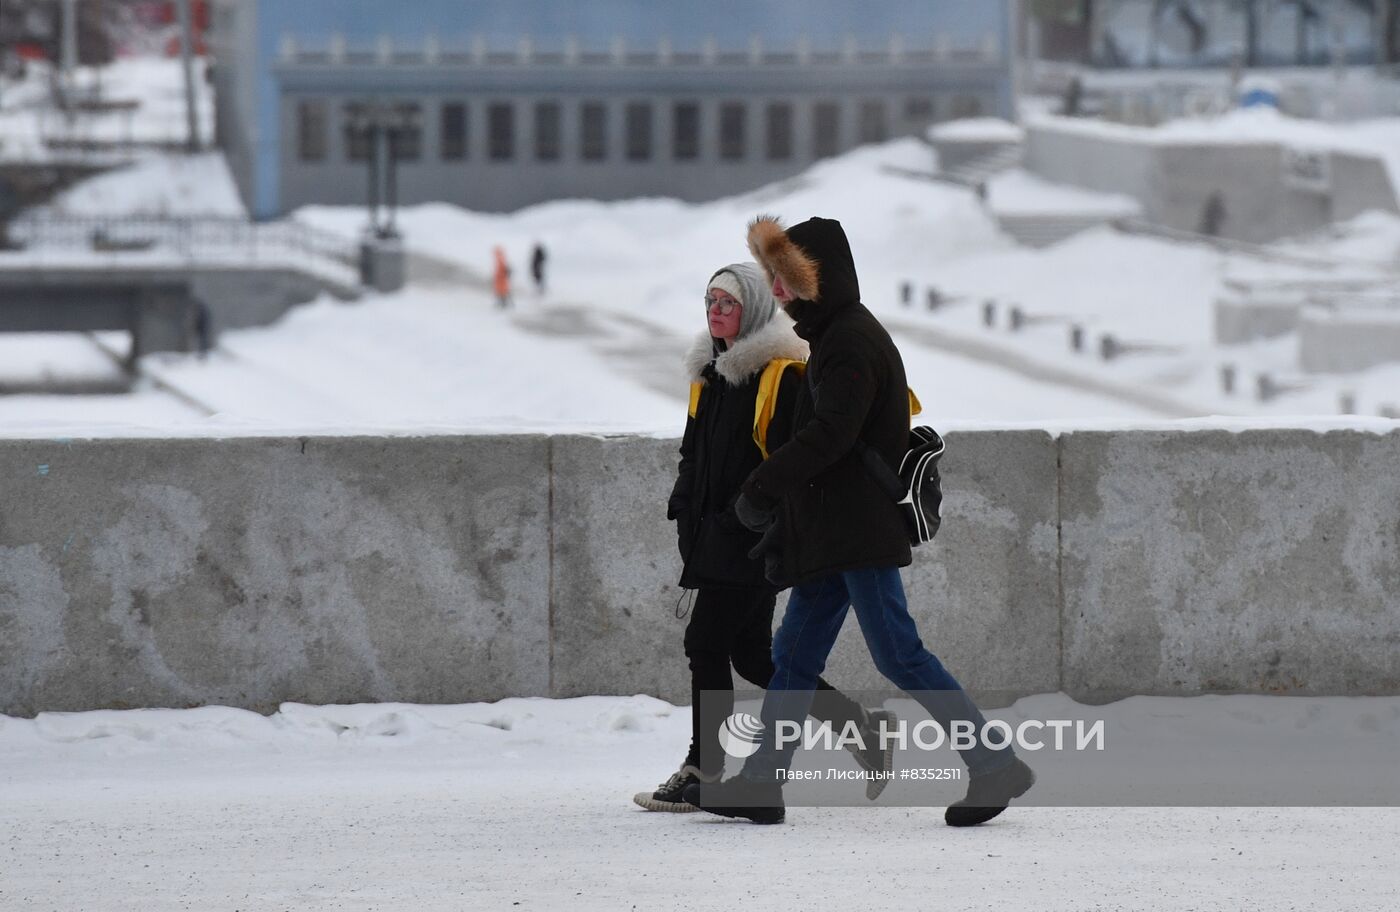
(981, 169)
(1044, 229)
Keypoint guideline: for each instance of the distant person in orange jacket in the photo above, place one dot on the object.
(502, 282)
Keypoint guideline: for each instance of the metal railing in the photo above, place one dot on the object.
(186, 238)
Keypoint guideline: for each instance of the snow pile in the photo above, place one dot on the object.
(301, 728)
(977, 129)
(157, 185)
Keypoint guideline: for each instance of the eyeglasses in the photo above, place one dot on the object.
(726, 307)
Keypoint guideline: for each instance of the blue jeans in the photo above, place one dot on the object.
(815, 613)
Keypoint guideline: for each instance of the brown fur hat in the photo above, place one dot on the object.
(779, 255)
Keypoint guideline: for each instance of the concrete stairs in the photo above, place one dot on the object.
(981, 169)
(1045, 229)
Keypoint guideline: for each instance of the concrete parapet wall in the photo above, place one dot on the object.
(249, 572)
(1264, 561)
(239, 298)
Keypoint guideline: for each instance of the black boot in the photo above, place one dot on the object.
(667, 796)
(877, 761)
(761, 802)
(989, 794)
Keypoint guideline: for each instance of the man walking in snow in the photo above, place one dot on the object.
(834, 534)
(537, 261)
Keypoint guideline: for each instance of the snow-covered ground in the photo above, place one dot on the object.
(600, 350)
(526, 804)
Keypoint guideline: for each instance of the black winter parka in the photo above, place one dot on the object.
(718, 452)
(834, 516)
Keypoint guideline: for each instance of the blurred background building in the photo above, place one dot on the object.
(1171, 202)
(1193, 33)
(604, 100)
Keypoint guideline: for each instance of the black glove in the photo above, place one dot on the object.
(767, 544)
(754, 515)
(770, 549)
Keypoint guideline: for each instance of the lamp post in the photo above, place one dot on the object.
(400, 122)
(385, 129)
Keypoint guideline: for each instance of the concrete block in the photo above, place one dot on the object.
(616, 569)
(237, 298)
(1214, 562)
(1244, 319)
(383, 264)
(1068, 154)
(1175, 181)
(1347, 339)
(249, 572)
(985, 591)
(1361, 183)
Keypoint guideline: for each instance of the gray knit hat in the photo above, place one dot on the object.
(754, 293)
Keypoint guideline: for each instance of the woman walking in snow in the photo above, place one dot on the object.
(745, 370)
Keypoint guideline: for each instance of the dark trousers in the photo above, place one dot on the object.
(733, 628)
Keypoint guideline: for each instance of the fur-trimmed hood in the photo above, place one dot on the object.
(813, 258)
(749, 355)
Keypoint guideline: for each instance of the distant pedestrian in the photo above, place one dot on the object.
(537, 260)
(502, 280)
(1213, 215)
(203, 330)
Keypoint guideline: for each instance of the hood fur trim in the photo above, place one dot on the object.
(779, 255)
(749, 356)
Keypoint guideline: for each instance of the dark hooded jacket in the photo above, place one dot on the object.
(718, 451)
(833, 515)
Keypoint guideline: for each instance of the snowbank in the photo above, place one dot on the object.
(161, 185)
(978, 129)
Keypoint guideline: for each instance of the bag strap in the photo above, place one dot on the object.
(880, 471)
(695, 390)
(886, 477)
(766, 402)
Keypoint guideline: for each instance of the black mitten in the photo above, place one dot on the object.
(753, 515)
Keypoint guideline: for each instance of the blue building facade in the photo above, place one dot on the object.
(511, 103)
